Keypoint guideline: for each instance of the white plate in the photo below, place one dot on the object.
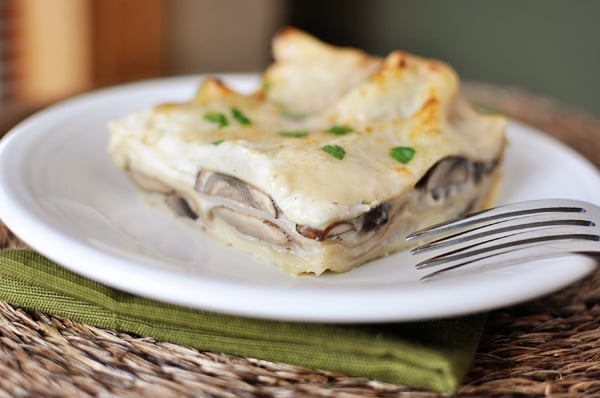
(60, 193)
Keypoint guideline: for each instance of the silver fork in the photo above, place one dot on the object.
(510, 234)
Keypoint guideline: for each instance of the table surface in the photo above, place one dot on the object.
(545, 347)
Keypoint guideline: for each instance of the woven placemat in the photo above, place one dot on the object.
(545, 347)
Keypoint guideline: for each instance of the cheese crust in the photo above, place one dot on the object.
(304, 172)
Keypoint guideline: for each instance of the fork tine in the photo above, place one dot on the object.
(504, 227)
(511, 242)
(499, 213)
(511, 234)
(499, 259)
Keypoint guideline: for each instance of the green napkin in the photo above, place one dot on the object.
(431, 355)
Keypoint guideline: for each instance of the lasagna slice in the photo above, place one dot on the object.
(330, 164)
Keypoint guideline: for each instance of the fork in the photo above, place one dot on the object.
(510, 234)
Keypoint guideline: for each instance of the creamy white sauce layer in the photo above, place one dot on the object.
(408, 102)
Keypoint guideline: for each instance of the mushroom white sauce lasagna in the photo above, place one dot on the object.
(331, 163)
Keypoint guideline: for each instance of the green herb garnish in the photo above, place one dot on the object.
(403, 154)
(484, 109)
(293, 134)
(217, 142)
(240, 117)
(335, 150)
(291, 116)
(266, 86)
(217, 118)
(340, 130)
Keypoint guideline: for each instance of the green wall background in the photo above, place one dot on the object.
(547, 47)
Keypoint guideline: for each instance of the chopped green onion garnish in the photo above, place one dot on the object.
(293, 134)
(240, 117)
(484, 109)
(335, 150)
(403, 154)
(340, 130)
(292, 116)
(218, 118)
(266, 86)
(217, 142)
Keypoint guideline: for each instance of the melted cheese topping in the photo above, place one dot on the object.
(403, 100)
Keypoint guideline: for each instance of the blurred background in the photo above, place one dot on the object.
(52, 49)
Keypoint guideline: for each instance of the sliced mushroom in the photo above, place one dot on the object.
(451, 172)
(486, 168)
(367, 222)
(446, 173)
(180, 205)
(332, 231)
(340, 229)
(221, 185)
(478, 171)
(374, 218)
(262, 230)
(311, 233)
